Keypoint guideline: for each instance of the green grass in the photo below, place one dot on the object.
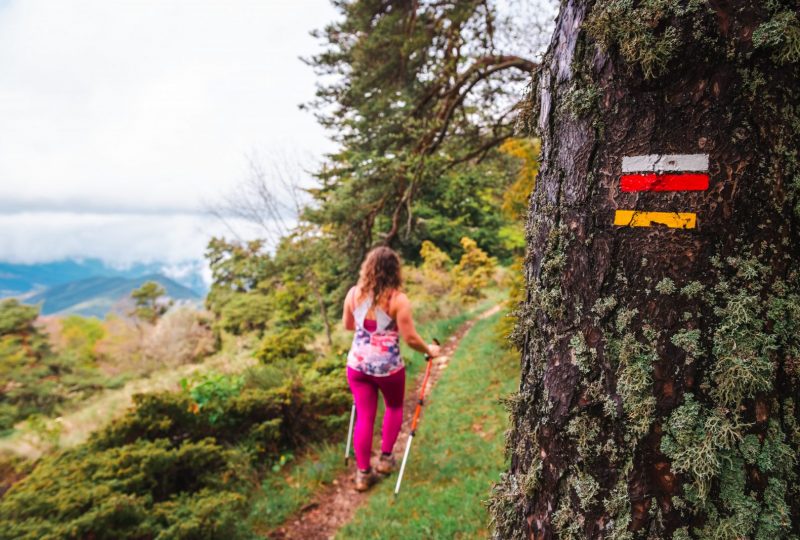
(456, 455)
(284, 492)
(444, 328)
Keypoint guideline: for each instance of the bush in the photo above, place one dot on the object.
(177, 464)
(263, 420)
(79, 335)
(182, 336)
(431, 285)
(435, 269)
(285, 344)
(474, 270)
(141, 490)
(13, 468)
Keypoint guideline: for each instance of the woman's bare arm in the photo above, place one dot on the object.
(405, 324)
(348, 320)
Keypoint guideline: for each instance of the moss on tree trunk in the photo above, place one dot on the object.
(660, 372)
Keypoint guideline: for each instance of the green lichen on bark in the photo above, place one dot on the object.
(641, 31)
(692, 289)
(689, 341)
(743, 349)
(618, 505)
(707, 439)
(693, 439)
(581, 99)
(666, 286)
(634, 361)
(781, 35)
(506, 507)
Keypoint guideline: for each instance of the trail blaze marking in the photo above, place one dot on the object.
(662, 172)
(665, 162)
(673, 220)
(664, 182)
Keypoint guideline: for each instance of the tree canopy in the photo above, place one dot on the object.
(418, 95)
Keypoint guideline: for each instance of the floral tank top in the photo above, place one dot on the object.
(376, 344)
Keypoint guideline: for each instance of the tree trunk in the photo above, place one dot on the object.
(659, 336)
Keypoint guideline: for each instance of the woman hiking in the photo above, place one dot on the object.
(380, 314)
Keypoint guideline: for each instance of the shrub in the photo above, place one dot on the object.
(145, 489)
(176, 465)
(180, 337)
(435, 269)
(431, 285)
(265, 421)
(474, 270)
(79, 336)
(183, 335)
(285, 344)
(13, 468)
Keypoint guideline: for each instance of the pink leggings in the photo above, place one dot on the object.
(365, 393)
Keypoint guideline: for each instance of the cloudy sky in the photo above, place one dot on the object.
(122, 120)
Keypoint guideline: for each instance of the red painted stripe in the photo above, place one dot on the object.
(664, 182)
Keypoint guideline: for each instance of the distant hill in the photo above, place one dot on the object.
(25, 280)
(97, 296)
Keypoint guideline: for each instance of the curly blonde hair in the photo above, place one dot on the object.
(380, 273)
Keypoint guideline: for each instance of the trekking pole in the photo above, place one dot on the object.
(349, 435)
(414, 421)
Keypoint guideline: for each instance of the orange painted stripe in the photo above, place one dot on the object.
(673, 220)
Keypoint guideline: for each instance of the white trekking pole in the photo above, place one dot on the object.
(349, 435)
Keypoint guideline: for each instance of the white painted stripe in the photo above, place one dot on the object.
(665, 162)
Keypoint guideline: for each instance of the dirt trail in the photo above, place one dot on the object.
(335, 505)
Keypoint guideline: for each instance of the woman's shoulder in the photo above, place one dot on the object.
(399, 298)
(351, 296)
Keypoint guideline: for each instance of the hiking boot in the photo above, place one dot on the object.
(386, 464)
(363, 480)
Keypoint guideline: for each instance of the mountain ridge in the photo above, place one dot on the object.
(22, 279)
(99, 295)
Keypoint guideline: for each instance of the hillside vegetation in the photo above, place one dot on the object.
(186, 464)
(422, 114)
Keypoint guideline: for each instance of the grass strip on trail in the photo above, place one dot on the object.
(456, 455)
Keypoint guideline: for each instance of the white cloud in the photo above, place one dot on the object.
(30, 237)
(143, 107)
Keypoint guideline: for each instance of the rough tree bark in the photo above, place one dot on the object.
(660, 365)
